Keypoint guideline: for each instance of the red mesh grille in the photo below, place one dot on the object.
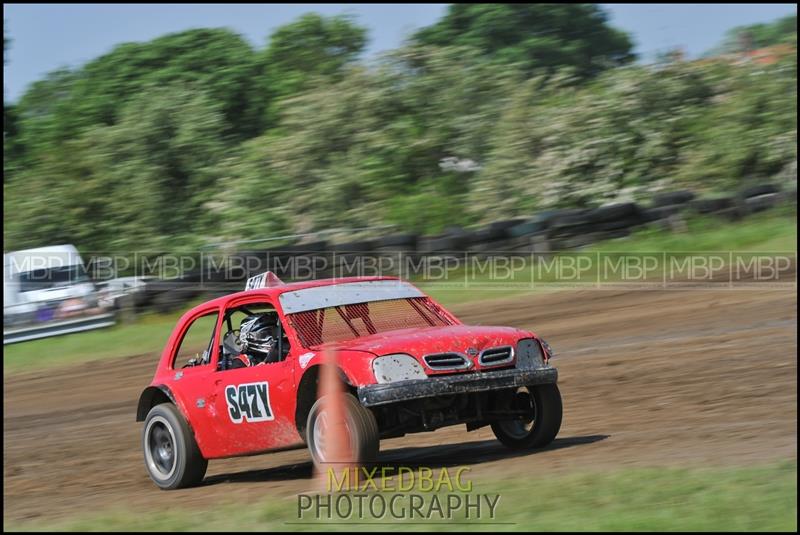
(335, 324)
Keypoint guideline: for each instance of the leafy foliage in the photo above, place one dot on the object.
(536, 36)
(312, 45)
(149, 174)
(196, 137)
(742, 38)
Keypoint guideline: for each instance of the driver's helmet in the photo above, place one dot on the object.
(257, 336)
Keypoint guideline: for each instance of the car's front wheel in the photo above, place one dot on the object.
(359, 433)
(538, 420)
(171, 455)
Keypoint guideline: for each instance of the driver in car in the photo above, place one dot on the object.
(257, 339)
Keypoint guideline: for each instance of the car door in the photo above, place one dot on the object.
(191, 373)
(254, 407)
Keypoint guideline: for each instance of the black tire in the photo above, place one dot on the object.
(546, 422)
(762, 202)
(436, 244)
(353, 247)
(304, 248)
(486, 235)
(570, 218)
(397, 240)
(662, 212)
(713, 205)
(619, 224)
(760, 189)
(171, 456)
(527, 228)
(615, 212)
(361, 426)
(499, 229)
(125, 309)
(680, 197)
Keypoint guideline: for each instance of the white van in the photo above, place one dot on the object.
(44, 284)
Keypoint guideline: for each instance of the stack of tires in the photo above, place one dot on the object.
(351, 259)
(544, 233)
(495, 237)
(165, 296)
(575, 228)
(665, 205)
(453, 240)
(761, 197)
(299, 262)
(393, 251)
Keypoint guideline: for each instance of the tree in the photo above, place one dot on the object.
(12, 148)
(312, 46)
(153, 147)
(140, 183)
(754, 36)
(366, 148)
(157, 167)
(537, 36)
(45, 113)
(631, 131)
(218, 60)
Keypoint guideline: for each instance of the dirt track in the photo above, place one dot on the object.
(648, 378)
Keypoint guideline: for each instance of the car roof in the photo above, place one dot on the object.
(274, 291)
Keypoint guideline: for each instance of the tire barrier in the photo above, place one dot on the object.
(658, 213)
(712, 205)
(499, 230)
(397, 241)
(616, 212)
(759, 189)
(546, 231)
(672, 198)
(765, 201)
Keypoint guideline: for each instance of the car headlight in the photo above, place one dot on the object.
(397, 367)
(529, 354)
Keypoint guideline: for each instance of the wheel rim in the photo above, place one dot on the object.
(320, 430)
(159, 449)
(520, 428)
(319, 433)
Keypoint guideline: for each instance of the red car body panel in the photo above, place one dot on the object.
(200, 391)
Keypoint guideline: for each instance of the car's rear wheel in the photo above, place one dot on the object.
(538, 427)
(171, 455)
(360, 432)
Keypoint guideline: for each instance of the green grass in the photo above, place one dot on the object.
(760, 498)
(148, 334)
(769, 232)
(774, 231)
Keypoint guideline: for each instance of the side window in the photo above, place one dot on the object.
(197, 343)
(253, 336)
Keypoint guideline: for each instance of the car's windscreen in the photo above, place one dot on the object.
(45, 278)
(345, 322)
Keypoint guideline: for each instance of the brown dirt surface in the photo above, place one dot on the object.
(648, 378)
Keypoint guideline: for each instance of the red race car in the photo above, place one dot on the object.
(407, 365)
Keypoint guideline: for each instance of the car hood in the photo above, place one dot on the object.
(423, 341)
